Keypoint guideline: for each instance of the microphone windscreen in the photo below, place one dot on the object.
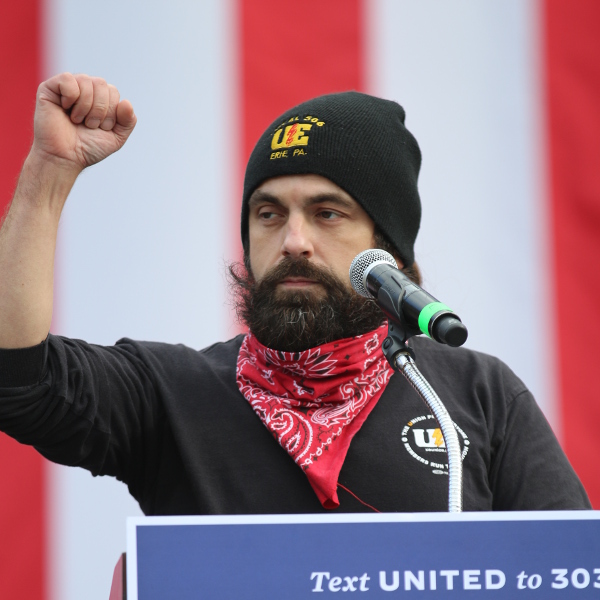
(363, 263)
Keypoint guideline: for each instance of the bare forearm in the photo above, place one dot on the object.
(27, 246)
(79, 120)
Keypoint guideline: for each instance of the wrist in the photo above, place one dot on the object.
(50, 165)
(46, 181)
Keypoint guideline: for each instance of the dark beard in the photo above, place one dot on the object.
(297, 320)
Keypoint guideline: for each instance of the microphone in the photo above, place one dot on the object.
(375, 274)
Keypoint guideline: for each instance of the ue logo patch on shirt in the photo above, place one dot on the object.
(423, 440)
(293, 133)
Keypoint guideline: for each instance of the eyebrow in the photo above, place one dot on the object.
(332, 198)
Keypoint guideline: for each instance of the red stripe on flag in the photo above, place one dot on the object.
(292, 51)
(20, 69)
(573, 95)
(22, 548)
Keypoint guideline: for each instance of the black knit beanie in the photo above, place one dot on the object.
(361, 144)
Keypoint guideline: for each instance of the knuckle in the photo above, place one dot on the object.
(98, 112)
(98, 82)
(100, 102)
(67, 81)
(85, 84)
(113, 103)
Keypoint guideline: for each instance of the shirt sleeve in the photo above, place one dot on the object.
(82, 405)
(529, 468)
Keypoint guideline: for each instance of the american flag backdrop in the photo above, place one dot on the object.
(504, 99)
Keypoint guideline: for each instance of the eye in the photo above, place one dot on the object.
(267, 214)
(328, 215)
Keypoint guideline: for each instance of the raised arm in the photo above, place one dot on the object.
(78, 122)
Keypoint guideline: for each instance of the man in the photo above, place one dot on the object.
(301, 415)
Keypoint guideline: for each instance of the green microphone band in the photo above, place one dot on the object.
(428, 312)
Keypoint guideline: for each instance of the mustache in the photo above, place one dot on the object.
(299, 267)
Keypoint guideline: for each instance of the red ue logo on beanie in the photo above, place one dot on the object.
(293, 133)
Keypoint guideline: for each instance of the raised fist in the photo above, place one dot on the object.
(79, 120)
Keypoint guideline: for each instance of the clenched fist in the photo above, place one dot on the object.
(79, 120)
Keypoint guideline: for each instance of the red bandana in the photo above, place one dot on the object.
(314, 401)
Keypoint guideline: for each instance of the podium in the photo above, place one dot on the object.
(544, 555)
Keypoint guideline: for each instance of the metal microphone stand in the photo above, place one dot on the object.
(401, 358)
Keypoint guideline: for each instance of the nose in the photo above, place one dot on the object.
(297, 240)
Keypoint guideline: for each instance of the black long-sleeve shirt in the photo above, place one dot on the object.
(171, 423)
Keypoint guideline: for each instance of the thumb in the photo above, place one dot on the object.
(125, 121)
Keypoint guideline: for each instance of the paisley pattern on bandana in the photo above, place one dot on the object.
(314, 402)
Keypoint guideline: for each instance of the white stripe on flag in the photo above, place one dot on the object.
(468, 76)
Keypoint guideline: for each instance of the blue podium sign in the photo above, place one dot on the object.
(427, 555)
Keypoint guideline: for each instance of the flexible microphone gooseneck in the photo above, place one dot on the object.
(411, 311)
(375, 274)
